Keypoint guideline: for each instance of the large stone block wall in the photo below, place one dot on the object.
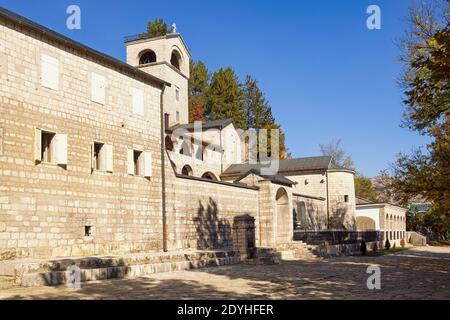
(44, 208)
(316, 212)
(342, 214)
(201, 213)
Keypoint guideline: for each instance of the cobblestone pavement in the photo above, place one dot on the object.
(420, 273)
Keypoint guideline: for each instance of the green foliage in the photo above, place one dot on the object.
(221, 96)
(426, 83)
(198, 86)
(157, 28)
(257, 109)
(364, 188)
(225, 97)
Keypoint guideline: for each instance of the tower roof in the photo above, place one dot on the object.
(145, 37)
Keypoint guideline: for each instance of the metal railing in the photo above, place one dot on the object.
(335, 237)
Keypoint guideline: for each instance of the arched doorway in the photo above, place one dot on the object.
(365, 224)
(283, 218)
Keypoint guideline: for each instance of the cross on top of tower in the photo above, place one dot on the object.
(174, 28)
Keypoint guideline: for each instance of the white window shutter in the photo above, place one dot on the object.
(61, 149)
(37, 144)
(148, 172)
(98, 85)
(93, 156)
(138, 101)
(49, 72)
(130, 161)
(109, 166)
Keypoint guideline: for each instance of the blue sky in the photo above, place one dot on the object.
(325, 74)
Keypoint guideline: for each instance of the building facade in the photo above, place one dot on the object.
(388, 219)
(97, 157)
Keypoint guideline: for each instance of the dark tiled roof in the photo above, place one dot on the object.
(65, 41)
(286, 166)
(277, 178)
(205, 125)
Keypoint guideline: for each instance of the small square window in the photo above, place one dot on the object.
(346, 198)
(87, 231)
(47, 146)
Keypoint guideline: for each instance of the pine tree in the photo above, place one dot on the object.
(198, 86)
(224, 98)
(257, 109)
(157, 28)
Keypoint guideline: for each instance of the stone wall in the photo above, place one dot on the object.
(201, 213)
(342, 200)
(44, 208)
(316, 213)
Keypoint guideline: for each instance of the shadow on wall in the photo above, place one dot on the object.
(212, 232)
(340, 219)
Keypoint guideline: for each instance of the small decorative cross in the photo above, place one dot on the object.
(174, 28)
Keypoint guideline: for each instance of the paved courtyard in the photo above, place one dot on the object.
(421, 273)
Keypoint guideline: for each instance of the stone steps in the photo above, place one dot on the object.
(7, 282)
(297, 250)
(56, 272)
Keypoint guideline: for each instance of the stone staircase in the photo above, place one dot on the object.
(35, 273)
(298, 250)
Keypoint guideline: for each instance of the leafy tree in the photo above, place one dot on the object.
(364, 188)
(157, 28)
(340, 158)
(224, 98)
(198, 86)
(426, 84)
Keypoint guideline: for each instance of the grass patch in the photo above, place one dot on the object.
(440, 243)
(384, 252)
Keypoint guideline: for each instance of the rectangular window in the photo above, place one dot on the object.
(139, 163)
(102, 157)
(49, 72)
(98, 84)
(47, 146)
(138, 101)
(166, 121)
(346, 199)
(177, 94)
(178, 116)
(50, 147)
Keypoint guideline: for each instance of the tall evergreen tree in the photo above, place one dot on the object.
(198, 86)
(224, 98)
(257, 109)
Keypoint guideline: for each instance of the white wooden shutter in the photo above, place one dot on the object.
(37, 144)
(60, 149)
(109, 162)
(130, 161)
(138, 101)
(92, 158)
(147, 159)
(98, 85)
(49, 72)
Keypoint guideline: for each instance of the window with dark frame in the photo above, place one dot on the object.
(346, 198)
(47, 140)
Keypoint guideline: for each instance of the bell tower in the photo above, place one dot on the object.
(168, 58)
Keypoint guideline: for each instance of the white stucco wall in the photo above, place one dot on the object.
(372, 213)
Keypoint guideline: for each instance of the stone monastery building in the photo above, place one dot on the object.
(90, 164)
